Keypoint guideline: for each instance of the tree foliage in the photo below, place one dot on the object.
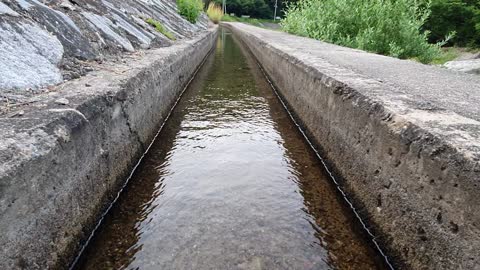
(254, 8)
(461, 16)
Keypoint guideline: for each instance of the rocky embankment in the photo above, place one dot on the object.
(46, 42)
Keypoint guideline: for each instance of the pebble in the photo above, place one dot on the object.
(19, 113)
(62, 101)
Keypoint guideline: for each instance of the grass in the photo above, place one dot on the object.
(252, 21)
(451, 53)
(160, 28)
(214, 12)
(447, 54)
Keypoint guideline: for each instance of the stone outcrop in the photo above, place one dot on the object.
(467, 66)
(44, 42)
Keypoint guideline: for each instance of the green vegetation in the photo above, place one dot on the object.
(214, 12)
(448, 54)
(190, 9)
(389, 27)
(253, 8)
(159, 27)
(228, 18)
(451, 53)
(460, 16)
(412, 29)
(252, 21)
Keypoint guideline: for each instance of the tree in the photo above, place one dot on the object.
(254, 8)
(461, 16)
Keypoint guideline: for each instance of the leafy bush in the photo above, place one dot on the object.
(390, 27)
(190, 9)
(214, 12)
(461, 16)
(254, 8)
(159, 27)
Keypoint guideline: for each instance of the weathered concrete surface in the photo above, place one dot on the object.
(405, 138)
(64, 156)
(44, 42)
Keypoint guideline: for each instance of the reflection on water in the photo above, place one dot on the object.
(229, 184)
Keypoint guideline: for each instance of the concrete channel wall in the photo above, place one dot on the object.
(64, 159)
(404, 138)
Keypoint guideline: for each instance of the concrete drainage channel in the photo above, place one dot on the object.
(411, 165)
(81, 155)
(406, 147)
(177, 213)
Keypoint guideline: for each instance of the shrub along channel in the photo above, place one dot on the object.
(190, 9)
(389, 27)
(214, 12)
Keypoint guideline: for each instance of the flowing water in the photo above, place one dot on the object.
(230, 183)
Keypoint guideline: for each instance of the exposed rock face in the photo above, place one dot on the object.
(468, 66)
(43, 42)
(29, 56)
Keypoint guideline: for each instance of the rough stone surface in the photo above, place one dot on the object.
(89, 30)
(468, 66)
(5, 10)
(29, 56)
(466, 55)
(65, 155)
(404, 137)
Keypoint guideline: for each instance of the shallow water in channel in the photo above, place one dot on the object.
(230, 183)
